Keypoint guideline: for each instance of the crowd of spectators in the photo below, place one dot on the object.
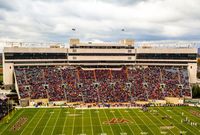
(4, 107)
(74, 84)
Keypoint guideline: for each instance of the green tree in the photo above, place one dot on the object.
(196, 91)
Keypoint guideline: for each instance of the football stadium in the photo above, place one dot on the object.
(106, 88)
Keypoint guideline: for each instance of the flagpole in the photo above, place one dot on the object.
(74, 30)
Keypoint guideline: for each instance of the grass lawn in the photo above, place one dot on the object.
(65, 121)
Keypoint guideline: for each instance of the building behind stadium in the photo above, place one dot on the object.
(90, 55)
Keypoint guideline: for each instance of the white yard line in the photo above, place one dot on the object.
(174, 126)
(143, 122)
(161, 122)
(135, 122)
(91, 122)
(73, 122)
(65, 122)
(150, 120)
(118, 123)
(29, 122)
(100, 123)
(108, 120)
(127, 123)
(178, 123)
(46, 124)
(11, 122)
(38, 122)
(56, 122)
(190, 116)
(82, 122)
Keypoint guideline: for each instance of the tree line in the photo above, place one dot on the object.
(196, 91)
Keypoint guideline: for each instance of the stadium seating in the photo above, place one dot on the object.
(74, 84)
(4, 107)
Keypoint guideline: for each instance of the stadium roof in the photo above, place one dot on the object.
(159, 44)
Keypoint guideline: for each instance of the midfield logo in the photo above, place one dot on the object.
(117, 121)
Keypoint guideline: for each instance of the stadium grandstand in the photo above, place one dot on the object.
(89, 72)
(5, 106)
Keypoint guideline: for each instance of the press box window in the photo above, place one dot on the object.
(129, 51)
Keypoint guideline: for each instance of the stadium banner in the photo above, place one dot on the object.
(192, 101)
(174, 100)
(153, 101)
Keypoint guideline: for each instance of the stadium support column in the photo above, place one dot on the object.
(83, 99)
(192, 73)
(130, 93)
(147, 92)
(110, 74)
(94, 75)
(192, 70)
(8, 71)
(16, 86)
(179, 78)
(63, 85)
(77, 74)
(180, 85)
(97, 89)
(161, 79)
(126, 73)
(145, 85)
(134, 91)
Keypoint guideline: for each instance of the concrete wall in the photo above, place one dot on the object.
(8, 73)
(166, 50)
(98, 58)
(174, 100)
(35, 101)
(93, 50)
(34, 50)
(192, 69)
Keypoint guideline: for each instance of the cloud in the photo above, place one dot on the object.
(123, 2)
(53, 20)
(5, 5)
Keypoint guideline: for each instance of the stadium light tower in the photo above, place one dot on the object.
(122, 32)
(73, 32)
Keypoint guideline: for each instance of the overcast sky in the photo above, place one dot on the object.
(53, 20)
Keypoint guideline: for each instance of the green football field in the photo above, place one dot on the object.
(65, 121)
